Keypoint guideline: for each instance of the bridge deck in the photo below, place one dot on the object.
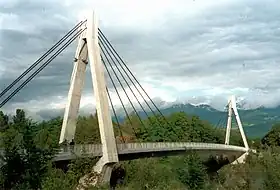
(95, 150)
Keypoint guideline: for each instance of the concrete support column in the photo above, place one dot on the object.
(109, 147)
(234, 108)
(228, 122)
(74, 96)
(88, 47)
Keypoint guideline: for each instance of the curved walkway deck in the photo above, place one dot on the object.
(124, 150)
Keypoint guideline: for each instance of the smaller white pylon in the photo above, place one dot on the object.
(233, 109)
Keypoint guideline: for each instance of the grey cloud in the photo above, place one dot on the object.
(204, 46)
(191, 37)
(199, 60)
(46, 114)
(54, 79)
(21, 49)
(28, 7)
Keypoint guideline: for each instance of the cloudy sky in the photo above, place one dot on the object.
(196, 51)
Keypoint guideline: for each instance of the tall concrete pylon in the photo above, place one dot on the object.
(233, 109)
(88, 49)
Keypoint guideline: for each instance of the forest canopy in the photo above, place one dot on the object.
(29, 146)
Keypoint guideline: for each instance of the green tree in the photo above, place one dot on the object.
(24, 162)
(48, 132)
(272, 138)
(192, 172)
(4, 121)
(87, 131)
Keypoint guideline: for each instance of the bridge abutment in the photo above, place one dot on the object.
(104, 170)
(109, 174)
(105, 173)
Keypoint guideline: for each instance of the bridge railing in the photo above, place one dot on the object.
(124, 148)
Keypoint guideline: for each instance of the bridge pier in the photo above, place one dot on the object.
(110, 174)
(104, 171)
(241, 159)
(232, 109)
(109, 146)
(88, 48)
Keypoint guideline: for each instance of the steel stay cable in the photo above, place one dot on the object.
(127, 115)
(41, 67)
(221, 125)
(222, 120)
(226, 118)
(219, 122)
(116, 53)
(104, 42)
(123, 77)
(112, 48)
(41, 58)
(101, 39)
(115, 114)
(122, 86)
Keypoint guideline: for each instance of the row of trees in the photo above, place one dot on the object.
(28, 148)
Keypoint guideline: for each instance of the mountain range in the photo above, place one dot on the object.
(256, 122)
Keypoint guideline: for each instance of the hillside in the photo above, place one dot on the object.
(32, 169)
(256, 122)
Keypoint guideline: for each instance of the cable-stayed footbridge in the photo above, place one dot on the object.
(94, 49)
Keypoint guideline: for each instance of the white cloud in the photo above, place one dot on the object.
(186, 51)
